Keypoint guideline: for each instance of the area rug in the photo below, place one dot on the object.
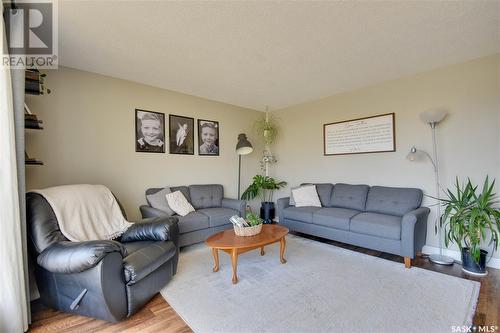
(321, 288)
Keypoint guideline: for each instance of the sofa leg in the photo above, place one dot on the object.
(407, 262)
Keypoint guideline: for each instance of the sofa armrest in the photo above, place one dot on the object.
(148, 211)
(414, 231)
(152, 229)
(282, 203)
(75, 257)
(235, 204)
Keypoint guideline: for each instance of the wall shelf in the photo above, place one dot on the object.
(34, 84)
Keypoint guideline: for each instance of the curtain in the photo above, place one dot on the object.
(13, 305)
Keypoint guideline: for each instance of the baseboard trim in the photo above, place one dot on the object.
(494, 262)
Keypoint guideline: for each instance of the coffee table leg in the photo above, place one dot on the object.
(262, 251)
(234, 261)
(215, 253)
(282, 250)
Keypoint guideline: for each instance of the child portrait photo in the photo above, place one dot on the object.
(208, 137)
(181, 135)
(149, 131)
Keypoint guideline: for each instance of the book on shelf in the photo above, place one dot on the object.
(33, 74)
(40, 90)
(32, 85)
(35, 83)
(33, 124)
(30, 116)
(31, 120)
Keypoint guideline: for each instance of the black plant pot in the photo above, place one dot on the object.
(267, 212)
(472, 267)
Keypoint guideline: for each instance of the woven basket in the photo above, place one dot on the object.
(248, 231)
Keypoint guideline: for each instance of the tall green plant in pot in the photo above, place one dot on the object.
(471, 218)
(263, 187)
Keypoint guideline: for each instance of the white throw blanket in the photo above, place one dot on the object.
(86, 212)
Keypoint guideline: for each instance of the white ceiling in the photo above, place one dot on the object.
(274, 53)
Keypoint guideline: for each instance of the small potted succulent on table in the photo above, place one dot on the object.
(250, 226)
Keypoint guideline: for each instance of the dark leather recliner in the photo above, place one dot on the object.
(104, 279)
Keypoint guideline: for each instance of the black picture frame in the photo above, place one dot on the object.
(141, 143)
(178, 124)
(206, 127)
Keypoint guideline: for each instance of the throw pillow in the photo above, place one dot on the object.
(178, 203)
(292, 201)
(159, 201)
(306, 196)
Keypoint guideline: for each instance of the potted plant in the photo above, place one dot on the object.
(469, 219)
(267, 128)
(263, 187)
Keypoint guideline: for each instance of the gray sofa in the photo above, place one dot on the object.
(211, 216)
(387, 219)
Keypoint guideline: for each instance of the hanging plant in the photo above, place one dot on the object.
(267, 128)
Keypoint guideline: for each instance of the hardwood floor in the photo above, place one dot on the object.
(158, 316)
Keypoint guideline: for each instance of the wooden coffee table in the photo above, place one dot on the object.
(228, 242)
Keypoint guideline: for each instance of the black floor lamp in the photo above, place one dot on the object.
(243, 147)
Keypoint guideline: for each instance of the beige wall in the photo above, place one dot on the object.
(89, 134)
(89, 138)
(468, 140)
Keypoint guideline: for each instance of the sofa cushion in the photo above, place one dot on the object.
(302, 214)
(305, 196)
(178, 203)
(147, 259)
(158, 200)
(393, 200)
(349, 196)
(374, 224)
(218, 216)
(206, 196)
(337, 218)
(184, 190)
(324, 192)
(192, 222)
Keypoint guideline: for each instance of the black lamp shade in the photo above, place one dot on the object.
(243, 147)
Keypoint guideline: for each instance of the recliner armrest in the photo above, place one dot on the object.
(235, 204)
(152, 229)
(147, 259)
(148, 211)
(75, 257)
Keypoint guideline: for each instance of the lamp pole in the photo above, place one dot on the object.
(239, 175)
(438, 258)
(433, 118)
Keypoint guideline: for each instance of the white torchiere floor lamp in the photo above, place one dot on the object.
(433, 118)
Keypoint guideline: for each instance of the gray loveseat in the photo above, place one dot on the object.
(387, 219)
(211, 216)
